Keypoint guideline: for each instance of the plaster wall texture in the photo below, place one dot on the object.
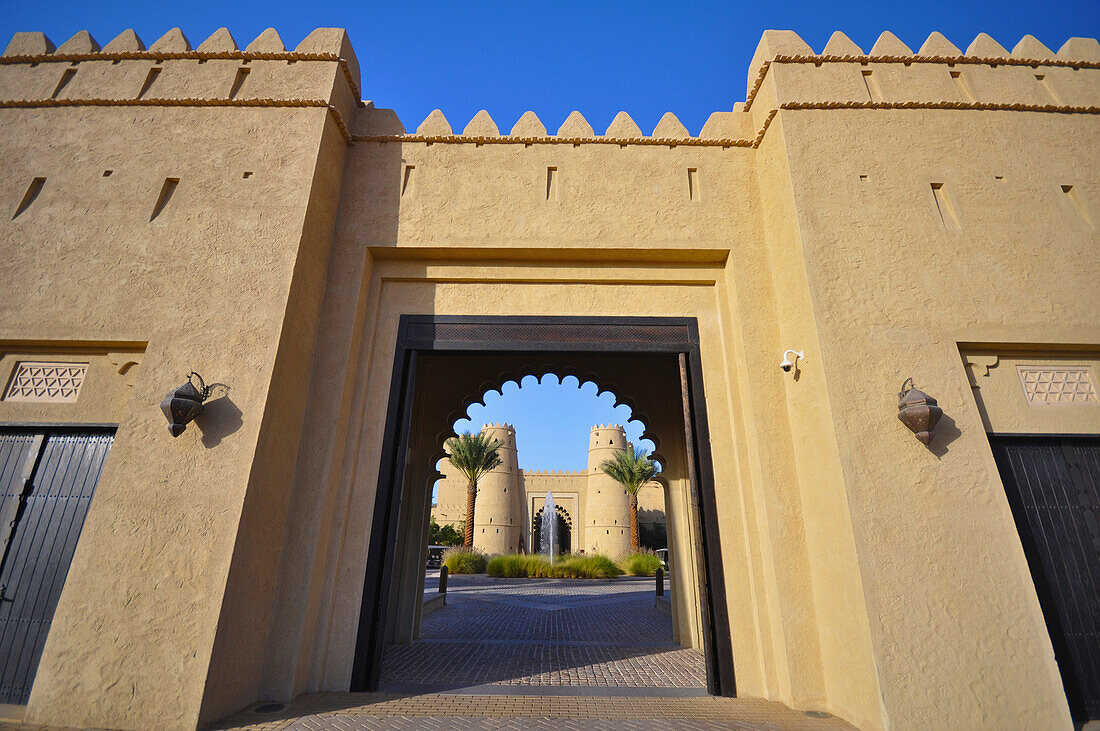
(892, 214)
(223, 280)
(1015, 270)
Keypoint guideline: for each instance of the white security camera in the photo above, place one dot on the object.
(787, 365)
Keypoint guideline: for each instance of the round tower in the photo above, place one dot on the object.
(498, 510)
(607, 507)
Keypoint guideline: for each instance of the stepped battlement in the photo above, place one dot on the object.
(543, 474)
(322, 71)
(785, 73)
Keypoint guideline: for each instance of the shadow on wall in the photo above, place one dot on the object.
(946, 432)
(376, 178)
(219, 419)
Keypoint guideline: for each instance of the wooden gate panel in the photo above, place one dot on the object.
(1053, 487)
(43, 540)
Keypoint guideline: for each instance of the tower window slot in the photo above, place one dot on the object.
(238, 81)
(149, 79)
(28, 198)
(962, 86)
(66, 77)
(945, 206)
(166, 192)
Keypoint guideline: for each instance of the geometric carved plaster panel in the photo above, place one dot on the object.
(46, 382)
(1046, 385)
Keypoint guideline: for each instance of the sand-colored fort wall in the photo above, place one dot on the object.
(884, 211)
(226, 279)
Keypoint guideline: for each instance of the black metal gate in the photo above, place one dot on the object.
(1053, 486)
(47, 478)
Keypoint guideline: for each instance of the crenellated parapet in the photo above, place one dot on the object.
(170, 73)
(890, 76)
(723, 129)
(552, 474)
(787, 74)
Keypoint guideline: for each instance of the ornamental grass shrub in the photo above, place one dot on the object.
(515, 566)
(459, 560)
(536, 566)
(594, 566)
(642, 563)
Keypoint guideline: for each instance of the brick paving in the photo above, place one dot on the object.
(454, 711)
(544, 632)
(538, 654)
(541, 655)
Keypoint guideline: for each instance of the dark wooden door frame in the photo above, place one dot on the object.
(1079, 680)
(425, 334)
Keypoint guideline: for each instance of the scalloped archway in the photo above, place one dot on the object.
(442, 365)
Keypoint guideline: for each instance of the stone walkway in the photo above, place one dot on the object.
(538, 654)
(535, 654)
(544, 632)
(361, 711)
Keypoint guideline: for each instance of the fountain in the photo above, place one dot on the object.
(549, 527)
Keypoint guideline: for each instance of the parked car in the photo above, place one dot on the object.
(435, 556)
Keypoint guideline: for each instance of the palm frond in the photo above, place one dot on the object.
(632, 468)
(473, 454)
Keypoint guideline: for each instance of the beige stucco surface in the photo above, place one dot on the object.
(889, 226)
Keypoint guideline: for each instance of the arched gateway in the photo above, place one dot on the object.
(563, 530)
(443, 363)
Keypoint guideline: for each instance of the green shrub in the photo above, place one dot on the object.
(642, 563)
(460, 561)
(594, 566)
(511, 566)
(443, 535)
(515, 566)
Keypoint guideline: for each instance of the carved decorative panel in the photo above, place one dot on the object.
(47, 382)
(1046, 385)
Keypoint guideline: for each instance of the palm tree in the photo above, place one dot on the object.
(473, 455)
(631, 469)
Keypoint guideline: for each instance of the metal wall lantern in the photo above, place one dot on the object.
(918, 411)
(184, 403)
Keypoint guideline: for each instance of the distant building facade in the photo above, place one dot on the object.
(593, 512)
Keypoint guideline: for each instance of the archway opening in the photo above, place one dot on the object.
(562, 533)
(436, 379)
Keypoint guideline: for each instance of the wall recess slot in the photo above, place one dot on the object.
(66, 77)
(28, 198)
(150, 78)
(1077, 204)
(874, 91)
(238, 81)
(963, 87)
(945, 206)
(166, 192)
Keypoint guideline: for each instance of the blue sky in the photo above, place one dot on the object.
(552, 420)
(553, 57)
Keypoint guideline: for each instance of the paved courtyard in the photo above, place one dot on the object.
(537, 654)
(544, 632)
